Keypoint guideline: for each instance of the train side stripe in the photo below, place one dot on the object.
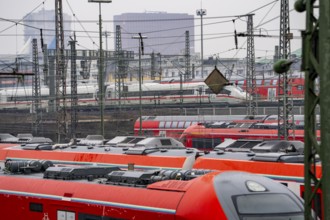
(98, 202)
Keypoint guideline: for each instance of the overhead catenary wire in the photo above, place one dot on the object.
(87, 32)
(229, 19)
(23, 17)
(82, 26)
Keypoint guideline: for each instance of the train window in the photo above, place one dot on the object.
(239, 89)
(162, 124)
(225, 91)
(205, 143)
(240, 82)
(36, 207)
(187, 124)
(65, 215)
(274, 206)
(259, 82)
(174, 124)
(274, 82)
(165, 142)
(181, 124)
(271, 119)
(189, 92)
(300, 87)
(267, 82)
(168, 124)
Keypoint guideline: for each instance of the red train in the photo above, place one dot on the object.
(280, 160)
(267, 89)
(207, 137)
(179, 126)
(175, 125)
(72, 193)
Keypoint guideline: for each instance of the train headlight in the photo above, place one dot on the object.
(255, 187)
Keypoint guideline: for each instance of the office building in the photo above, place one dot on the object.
(165, 32)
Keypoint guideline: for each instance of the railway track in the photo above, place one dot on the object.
(120, 121)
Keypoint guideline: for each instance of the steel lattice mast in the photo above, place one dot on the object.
(284, 104)
(324, 58)
(74, 93)
(45, 66)
(250, 69)
(120, 70)
(315, 63)
(60, 74)
(36, 106)
(187, 56)
(153, 66)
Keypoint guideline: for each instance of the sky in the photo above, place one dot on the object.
(218, 25)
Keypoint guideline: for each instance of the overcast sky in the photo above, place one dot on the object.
(215, 42)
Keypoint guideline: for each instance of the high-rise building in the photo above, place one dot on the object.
(165, 32)
(45, 20)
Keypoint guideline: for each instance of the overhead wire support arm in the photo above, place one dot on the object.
(141, 52)
(235, 35)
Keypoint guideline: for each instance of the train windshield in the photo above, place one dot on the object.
(267, 206)
(239, 89)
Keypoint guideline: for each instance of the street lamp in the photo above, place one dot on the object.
(141, 51)
(101, 63)
(201, 12)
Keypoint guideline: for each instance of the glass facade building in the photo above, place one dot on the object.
(165, 32)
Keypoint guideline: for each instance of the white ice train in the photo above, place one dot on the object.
(152, 93)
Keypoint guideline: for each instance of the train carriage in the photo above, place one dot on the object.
(267, 89)
(152, 93)
(173, 93)
(207, 137)
(279, 160)
(78, 193)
